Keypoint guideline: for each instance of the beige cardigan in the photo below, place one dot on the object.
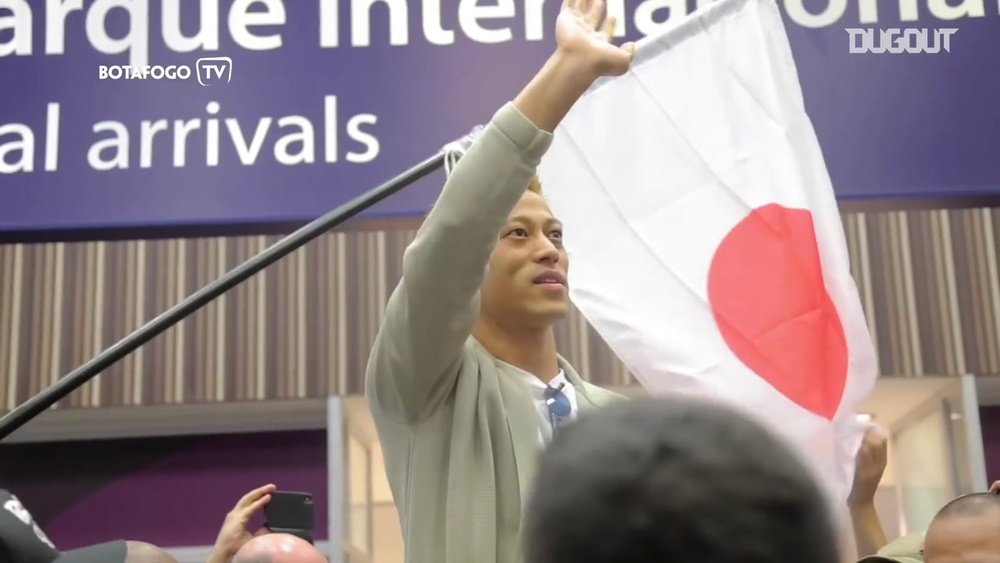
(459, 428)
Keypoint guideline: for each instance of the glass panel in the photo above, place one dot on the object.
(364, 489)
(924, 472)
(354, 556)
(959, 443)
(387, 538)
(967, 435)
(359, 493)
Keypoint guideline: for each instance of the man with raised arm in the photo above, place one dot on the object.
(464, 382)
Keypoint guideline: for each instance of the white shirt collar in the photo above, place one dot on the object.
(537, 388)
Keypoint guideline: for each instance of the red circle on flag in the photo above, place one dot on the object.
(767, 294)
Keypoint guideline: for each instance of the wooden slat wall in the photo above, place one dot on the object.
(303, 328)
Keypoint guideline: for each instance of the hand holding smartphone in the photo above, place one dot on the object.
(290, 513)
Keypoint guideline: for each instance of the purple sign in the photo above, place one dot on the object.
(157, 114)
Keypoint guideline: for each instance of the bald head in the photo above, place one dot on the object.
(278, 548)
(141, 552)
(970, 505)
(966, 530)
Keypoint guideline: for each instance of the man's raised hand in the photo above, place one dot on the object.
(583, 54)
(872, 458)
(234, 532)
(584, 31)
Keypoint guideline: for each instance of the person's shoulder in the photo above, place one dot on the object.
(911, 544)
(907, 549)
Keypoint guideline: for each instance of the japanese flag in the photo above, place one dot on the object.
(704, 239)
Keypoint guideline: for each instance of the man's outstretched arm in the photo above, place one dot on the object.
(584, 54)
(433, 309)
(871, 461)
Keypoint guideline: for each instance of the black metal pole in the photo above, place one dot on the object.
(42, 401)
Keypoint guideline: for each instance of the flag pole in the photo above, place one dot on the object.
(76, 378)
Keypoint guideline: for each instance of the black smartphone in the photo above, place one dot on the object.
(290, 513)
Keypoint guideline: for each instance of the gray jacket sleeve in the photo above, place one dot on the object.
(418, 350)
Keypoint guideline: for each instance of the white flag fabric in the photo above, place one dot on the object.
(704, 238)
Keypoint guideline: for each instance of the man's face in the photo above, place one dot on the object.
(525, 285)
(964, 539)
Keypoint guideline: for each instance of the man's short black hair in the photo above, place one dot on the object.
(678, 481)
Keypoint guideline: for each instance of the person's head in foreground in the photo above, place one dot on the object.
(142, 552)
(117, 552)
(525, 284)
(966, 530)
(278, 548)
(671, 480)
